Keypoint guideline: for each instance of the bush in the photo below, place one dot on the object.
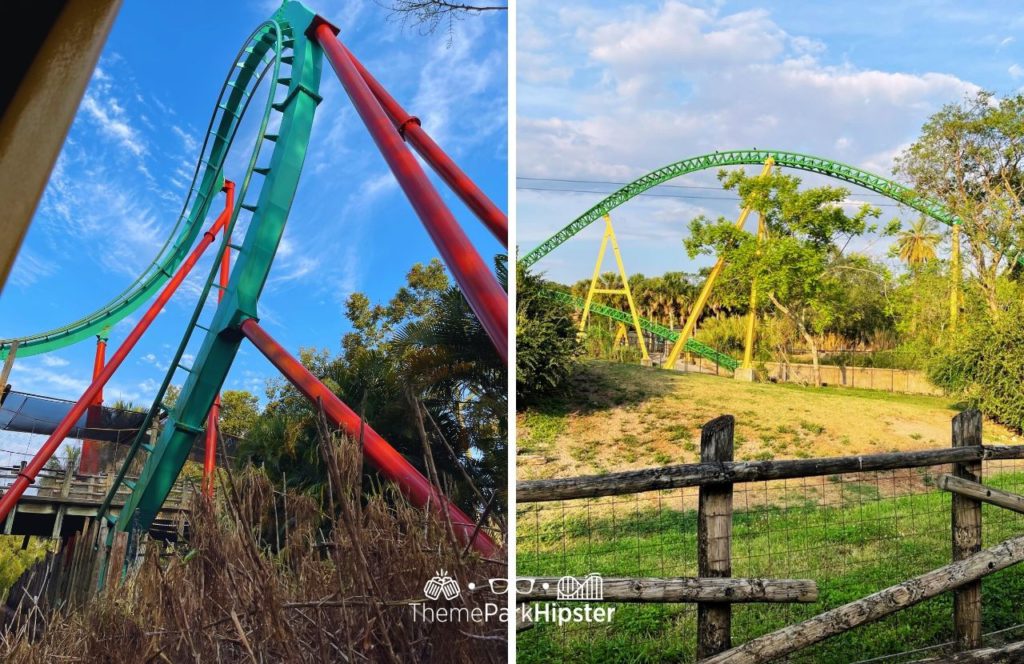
(984, 364)
(546, 347)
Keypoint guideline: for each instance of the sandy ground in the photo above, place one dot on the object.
(623, 417)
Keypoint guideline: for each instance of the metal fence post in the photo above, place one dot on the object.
(966, 527)
(714, 538)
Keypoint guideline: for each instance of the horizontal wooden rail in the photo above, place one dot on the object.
(686, 589)
(895, 598)
(734, 472)
(986, 494)
(1011, 652)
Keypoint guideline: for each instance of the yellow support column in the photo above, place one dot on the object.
(954, 277)
(609, 236)
(746, 369)
(705, 293)
(621, 336)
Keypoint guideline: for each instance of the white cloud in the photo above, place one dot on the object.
(1016, 71)
(653, 85)
(188, 140)
(30, 268)
(29, 376)
(54, 361)
(110, 116)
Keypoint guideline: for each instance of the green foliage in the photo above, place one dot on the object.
(14, 560)
(423, 347)
(72, 453)
(970, 157)
(919, 304)
(799, 263)
(547, 351)
(916, 245)
(984, 362)
(239, 411)
(723, 333)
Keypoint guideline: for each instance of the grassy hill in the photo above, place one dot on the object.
(621, 416)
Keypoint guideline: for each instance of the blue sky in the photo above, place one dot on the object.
(120, 180)
(609, 91)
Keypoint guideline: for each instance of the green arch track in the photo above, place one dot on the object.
(803, 162)
(272, 45)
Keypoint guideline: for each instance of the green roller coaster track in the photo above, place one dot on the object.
(291, 104)
(692, 345)
(233, 100)
(803, 162)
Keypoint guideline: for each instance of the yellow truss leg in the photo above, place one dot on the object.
(954, 276)
(705, 293)
(748, 344)
(609, 236)
(621, 336)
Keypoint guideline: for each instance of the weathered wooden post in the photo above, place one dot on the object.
(967, 533)
(714, 538)
(65, 491)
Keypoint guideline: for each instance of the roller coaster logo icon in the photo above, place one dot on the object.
(442, 585)
(589, 588)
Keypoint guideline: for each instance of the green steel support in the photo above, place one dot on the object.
(835, 169)
(187, 418)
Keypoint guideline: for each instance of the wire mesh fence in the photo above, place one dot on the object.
(853, 534)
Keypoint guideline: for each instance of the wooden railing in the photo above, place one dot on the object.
(715, 476)
(70, 493)
(57, 484)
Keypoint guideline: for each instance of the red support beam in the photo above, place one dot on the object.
(387, 460)
(409, 128)
(480, 287)
(213, 419)
(29, 472)
(89, 461)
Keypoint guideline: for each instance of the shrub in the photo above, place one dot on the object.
(546, 347)
(984, 364)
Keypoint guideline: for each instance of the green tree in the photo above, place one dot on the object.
(917, 244)
(984, 364)
(970, 157)
(798, 264)
(423, 348)
(239, 410)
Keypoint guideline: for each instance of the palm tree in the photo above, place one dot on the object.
(917, 244)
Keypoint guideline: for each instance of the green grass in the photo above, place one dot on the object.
(925, 400)
(543, 429)
(852, 548)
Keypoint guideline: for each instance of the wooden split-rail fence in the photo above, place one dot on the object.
(715, 591)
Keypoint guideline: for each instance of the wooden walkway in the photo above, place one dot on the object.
(60, 503)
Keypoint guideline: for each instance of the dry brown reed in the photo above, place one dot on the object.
(269, 576)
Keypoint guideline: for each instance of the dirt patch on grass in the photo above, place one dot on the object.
(623, 417)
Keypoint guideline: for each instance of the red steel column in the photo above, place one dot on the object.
(89, 461)
(387, 460)
(409, 128)
(482, 290)
(29, 472)
(210, 452)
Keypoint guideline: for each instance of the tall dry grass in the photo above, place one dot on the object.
(270, 576)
